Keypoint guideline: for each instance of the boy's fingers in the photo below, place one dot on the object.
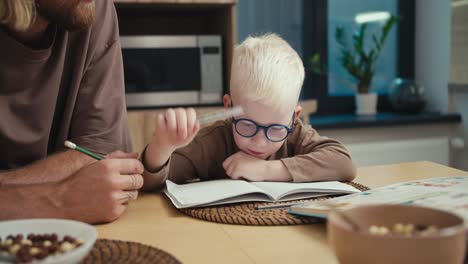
(228, 171)
(191, 120)
(234, 175)
(181, 122)
(226, 162)
(231, 168)
(171, 122)
(231, 158)
(161, 123)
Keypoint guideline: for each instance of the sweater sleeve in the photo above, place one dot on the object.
(201, 159)
(317, 158)
(178, 169)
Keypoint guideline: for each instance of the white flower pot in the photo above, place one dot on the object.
(366, 104)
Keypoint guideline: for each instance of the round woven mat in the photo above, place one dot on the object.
(122, 252)
(245, 213)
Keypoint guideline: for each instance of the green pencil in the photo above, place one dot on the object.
(72, 145)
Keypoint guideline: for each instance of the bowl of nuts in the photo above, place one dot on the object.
(396, 234)
(45, 241)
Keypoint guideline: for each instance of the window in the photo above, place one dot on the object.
(346, 14)
(320, 20)
(283, 17)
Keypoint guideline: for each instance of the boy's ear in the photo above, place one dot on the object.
(227, 101)
(297, 112)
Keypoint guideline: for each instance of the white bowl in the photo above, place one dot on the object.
(61, 227)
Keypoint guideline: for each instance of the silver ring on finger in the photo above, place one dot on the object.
(134, 181)
(128, 196)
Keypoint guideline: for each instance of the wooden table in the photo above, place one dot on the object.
(153, 220)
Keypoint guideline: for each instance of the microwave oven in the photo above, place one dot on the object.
(172, 70)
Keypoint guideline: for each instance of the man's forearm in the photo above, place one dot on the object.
(29, 201)
(52, 169)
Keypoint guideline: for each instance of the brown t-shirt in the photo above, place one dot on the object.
(73, 90)
(306, 155)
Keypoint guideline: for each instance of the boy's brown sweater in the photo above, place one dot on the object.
(306, 155)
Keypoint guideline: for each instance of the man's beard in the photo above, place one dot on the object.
(73, 15)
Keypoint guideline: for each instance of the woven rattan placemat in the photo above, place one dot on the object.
(125, 252)
(245, 213)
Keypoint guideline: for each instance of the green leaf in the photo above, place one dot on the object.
(371, 57)
(376, 42)
(354, 59)
(386, 28)
(362, 33)
(316, 65)
(340, 36)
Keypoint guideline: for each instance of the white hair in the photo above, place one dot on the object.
(266, 69)
(18, 14)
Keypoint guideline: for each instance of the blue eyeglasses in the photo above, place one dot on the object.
(274, 132)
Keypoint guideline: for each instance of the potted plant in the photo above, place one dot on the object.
(360, 62)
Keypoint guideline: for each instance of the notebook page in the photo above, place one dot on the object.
(409, 192)
(279, 190)
(200, 193)
(446, 193)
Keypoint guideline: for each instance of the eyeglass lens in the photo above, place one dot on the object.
(248, 128)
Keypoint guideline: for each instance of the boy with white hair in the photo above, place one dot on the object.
(266, 143)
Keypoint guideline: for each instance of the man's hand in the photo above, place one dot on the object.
(101, 191)
(175, 128)
(122, 155)
(244, 166)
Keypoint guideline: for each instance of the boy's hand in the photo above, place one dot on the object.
(175, 128)
(244, 166)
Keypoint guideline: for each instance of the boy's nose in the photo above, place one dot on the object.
(260, 138)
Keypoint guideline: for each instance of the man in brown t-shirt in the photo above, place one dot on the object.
(61, 78)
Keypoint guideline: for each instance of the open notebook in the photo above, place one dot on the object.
(226, 191)
(445, 193)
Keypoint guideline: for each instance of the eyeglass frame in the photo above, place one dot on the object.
(265, 128)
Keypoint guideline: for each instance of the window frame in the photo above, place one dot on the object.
(315, 27)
